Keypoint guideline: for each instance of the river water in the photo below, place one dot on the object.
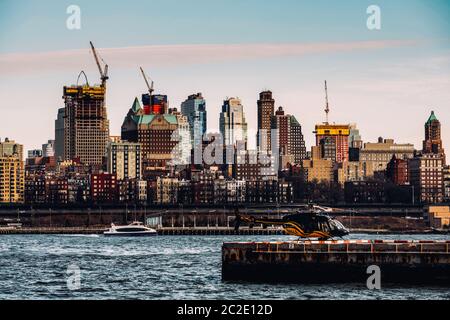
(163, 267)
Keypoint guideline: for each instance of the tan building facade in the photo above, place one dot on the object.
(167, 190)
(379, 154)
(124, 159)
(320, 170)
(10, 147)
(12, 173)
(354, 171)
(439, 217)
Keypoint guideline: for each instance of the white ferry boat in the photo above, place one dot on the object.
(135, 229)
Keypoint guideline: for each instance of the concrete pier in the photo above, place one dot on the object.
(409, 262)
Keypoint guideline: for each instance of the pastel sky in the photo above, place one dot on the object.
(387, 81)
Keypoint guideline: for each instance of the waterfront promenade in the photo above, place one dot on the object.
(199, 220)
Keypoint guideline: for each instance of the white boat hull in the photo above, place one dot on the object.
(130, 234)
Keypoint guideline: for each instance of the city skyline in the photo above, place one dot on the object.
(224, 150)
(398, 72)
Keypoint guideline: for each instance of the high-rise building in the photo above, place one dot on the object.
(289, 138)
(155, 133)
(233, 125)
(281, 123)
(124, 159)
(354, 138)
(426, 176)
(48, 149)
(194, 108)
(181, 154)
(433, 142)
(59, 134)
(339, 134)
(86, 126)
(381, 152)
(296, 140)
(12, 175)
(266, 106)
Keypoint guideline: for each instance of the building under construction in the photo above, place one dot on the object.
(332, 136)
(86, 125)
(155, 127)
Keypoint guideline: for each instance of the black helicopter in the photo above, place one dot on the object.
(306, 224)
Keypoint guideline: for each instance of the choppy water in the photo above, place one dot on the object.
(163, 267)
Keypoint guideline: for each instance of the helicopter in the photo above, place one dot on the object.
(309, 224)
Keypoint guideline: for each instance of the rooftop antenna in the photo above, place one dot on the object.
(327, 107)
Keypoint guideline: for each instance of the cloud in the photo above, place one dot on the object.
(175, 55)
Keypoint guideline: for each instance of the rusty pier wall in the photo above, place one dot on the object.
(410, 262)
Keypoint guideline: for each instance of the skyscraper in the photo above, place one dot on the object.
(289, 138)
(86, 126)
(59, 134)
(296, 140)
(266, 106)
(281, 123)
(155, 133)
(194, 108)
(233, 125)
(433, 143)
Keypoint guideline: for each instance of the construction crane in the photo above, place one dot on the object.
(327, 107)
(103, 72)
(150, 87)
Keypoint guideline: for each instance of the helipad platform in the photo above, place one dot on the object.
(410, 262)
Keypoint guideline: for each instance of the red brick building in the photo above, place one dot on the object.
(397, 171)
(104, 187)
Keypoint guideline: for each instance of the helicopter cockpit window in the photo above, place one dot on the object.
(334, 224)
